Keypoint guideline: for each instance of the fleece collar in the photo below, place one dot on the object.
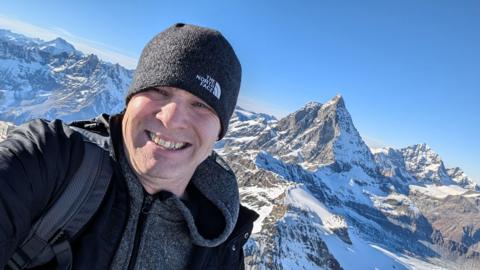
(214, 201)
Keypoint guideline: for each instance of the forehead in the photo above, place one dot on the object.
(182, 94)
(176, 90)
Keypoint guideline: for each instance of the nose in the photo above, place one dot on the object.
(173, 116)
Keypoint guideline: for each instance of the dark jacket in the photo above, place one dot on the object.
(36, 162)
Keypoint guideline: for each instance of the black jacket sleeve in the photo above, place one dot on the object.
(35, 160)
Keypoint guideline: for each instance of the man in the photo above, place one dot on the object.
(171, 203)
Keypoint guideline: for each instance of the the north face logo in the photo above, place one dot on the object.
(211, 85)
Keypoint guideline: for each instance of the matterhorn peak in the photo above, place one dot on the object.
(336, 101)
(317, 135)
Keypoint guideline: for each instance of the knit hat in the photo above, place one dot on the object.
(196, 59)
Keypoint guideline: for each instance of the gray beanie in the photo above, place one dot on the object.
(196, 59)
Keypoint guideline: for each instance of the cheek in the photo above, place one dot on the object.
(206, 123)
(207, 129)
(211, 131)
(132, 123)
(139, 110)
(137, 103)
(211, 125)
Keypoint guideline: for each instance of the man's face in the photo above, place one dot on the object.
(168, 132)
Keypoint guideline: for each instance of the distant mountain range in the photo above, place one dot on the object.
(326, 200)
(52, 79)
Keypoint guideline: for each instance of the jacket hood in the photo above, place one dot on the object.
(214, 201)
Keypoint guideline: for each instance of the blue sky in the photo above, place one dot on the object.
(409, 70)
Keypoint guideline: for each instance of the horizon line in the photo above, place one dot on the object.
(103, 51)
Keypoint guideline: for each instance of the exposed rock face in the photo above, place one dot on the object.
(424, 164)
(339, 227)
(455, 220)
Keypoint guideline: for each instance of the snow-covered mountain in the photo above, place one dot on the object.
(51, 79)
(326, 200)
(420, 164)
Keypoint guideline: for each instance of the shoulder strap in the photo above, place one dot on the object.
(77, 204)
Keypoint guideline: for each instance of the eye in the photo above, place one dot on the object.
(199, 104)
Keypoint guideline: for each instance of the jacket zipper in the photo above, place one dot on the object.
(146, 205)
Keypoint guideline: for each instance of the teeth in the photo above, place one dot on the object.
(166, 144)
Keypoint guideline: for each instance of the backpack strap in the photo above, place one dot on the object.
(77, 204)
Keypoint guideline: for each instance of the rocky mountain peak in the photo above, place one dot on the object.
(461, 178)
(57, 46)
(316, 135)
(421, 152)
(349, 147)
(425, 164)
(420, 164)
(336, 102)
(60, 42)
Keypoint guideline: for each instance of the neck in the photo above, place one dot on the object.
(155, 185)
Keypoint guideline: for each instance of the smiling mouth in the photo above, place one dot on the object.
(169, 145)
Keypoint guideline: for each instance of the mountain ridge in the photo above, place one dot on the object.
(47, 79)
